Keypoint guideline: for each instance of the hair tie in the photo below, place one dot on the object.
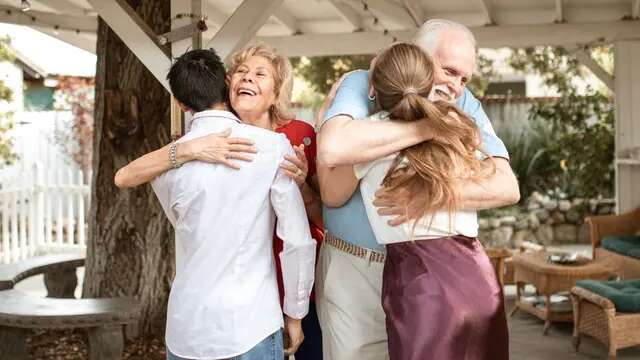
(409, 91)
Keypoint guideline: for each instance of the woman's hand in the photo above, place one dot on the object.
(218, 148)
(296, 167)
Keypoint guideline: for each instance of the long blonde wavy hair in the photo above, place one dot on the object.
(402, 79)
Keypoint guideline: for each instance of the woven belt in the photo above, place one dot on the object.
(354, 250)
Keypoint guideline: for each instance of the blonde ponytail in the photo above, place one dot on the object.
(403, 78)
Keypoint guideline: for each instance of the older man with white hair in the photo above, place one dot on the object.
(349, 273)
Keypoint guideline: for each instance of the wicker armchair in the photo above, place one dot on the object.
(596, 316)
(624, 224)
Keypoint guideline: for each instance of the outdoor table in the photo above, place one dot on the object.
(548, 279)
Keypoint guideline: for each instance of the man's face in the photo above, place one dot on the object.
(454, 60)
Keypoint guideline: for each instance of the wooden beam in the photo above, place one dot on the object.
(416, 11)
(181, 122)
(85, 41)
(390, 10)
(584, 57)
(348, 14)
(488, 36)
(66, 7)
(568, 34)
(196, 10)
(137, 35)
(635, 9)
(242, 26)
(559, 12)
(12, 15)
(287, 19)
(486, 11)
(333, 44)
(214, 14)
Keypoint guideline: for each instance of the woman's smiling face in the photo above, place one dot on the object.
(252, 87)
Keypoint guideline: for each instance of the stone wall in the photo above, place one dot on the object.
(543, 220)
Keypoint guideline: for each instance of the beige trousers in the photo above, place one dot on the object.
(348, 300)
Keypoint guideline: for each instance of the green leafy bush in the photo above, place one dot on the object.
(572, 147)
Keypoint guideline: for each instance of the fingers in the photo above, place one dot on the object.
(241, 141)
(383, 202)
(289, 167)
(296, 161)
(230, 164)
(390, 211)
(239, 156)
(242, 148)
(295, 342)
(397, 221)
(298, 179)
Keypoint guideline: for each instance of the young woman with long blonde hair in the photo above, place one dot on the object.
(440, 293)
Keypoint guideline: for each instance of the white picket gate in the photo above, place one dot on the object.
(42, 211)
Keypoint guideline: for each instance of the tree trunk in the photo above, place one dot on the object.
(130, 249)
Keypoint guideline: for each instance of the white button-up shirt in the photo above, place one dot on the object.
(224, 298)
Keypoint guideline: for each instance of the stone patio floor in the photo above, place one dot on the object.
(526, 341)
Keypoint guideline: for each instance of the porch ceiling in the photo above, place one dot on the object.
(330, 27)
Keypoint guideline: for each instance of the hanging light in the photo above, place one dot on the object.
(25, 5)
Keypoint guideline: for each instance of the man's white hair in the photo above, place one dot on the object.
(428, 35)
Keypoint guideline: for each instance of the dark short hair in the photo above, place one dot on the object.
(197, 79)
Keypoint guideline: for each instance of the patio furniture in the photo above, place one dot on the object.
(498, 256)
(549, 279)
(598, 317)
(59, 273)
(526, 246)
(612, 238)
(104, 318)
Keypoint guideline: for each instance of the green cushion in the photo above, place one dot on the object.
(628, 245)
(625, 295)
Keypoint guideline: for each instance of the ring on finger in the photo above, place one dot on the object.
(299, 172)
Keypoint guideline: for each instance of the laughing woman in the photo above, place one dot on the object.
(260, 84)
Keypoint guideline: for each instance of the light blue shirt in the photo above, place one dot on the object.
(350, 222)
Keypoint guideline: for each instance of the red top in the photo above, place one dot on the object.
(299, 132)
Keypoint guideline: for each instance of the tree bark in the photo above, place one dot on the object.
(130, 244)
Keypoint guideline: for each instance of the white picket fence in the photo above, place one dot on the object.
(42, 211)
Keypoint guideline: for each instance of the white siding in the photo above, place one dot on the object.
(627, 100)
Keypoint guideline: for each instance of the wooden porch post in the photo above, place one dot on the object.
(627, 123)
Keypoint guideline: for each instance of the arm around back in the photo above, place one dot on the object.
(346, 140)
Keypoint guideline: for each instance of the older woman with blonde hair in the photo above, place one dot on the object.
(260, 84)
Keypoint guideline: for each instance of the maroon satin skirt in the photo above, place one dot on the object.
(443, 301)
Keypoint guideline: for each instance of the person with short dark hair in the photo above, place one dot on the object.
(224, 299)
(197, 80)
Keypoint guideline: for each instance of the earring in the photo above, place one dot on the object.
(372, 97)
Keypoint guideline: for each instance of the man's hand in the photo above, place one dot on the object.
(500, 189)
(293, 335)
(401, 203)
(218, 148)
